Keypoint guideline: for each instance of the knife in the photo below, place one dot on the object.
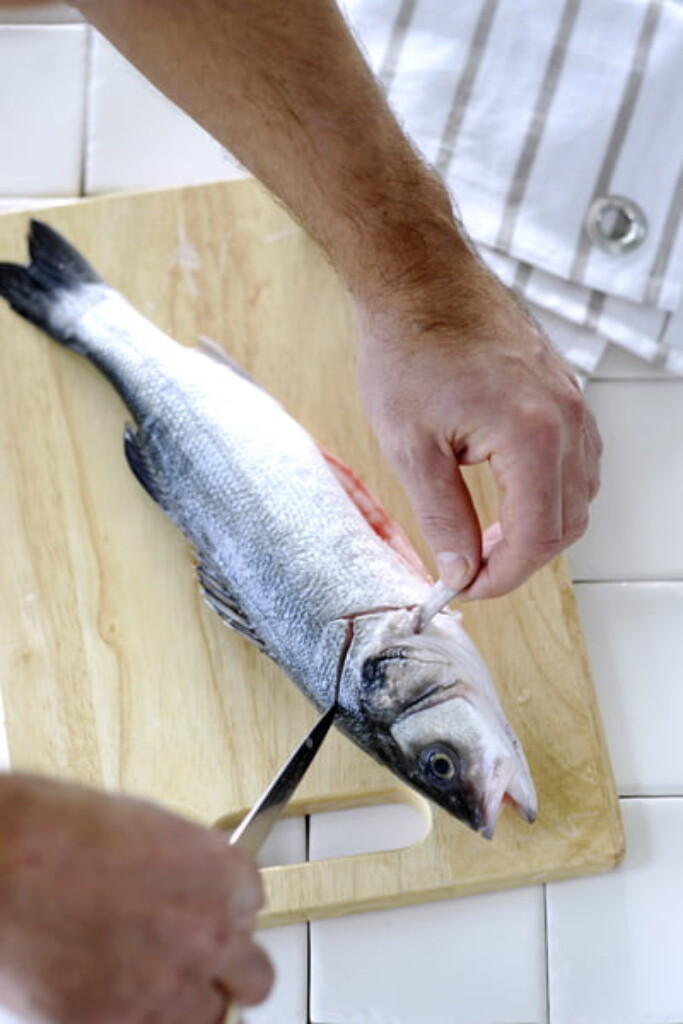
(256, 826)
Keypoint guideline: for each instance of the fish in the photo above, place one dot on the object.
(292, 551)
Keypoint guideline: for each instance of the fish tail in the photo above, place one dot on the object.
(38, 291)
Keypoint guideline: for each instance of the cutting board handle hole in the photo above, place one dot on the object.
(350, 831)
(357, 830)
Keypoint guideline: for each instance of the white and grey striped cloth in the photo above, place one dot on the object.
(558, 127)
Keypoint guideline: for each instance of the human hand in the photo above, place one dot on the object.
(113, 911)
(453, 372)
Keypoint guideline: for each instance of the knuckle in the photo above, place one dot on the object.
(576, 526)
(551, 422)
(408, 466)
(403, 452)
(542, 423)
(575, 410)
(543, 550)
(599, 444)
(436, 522)
(593, 464)
(448, 526)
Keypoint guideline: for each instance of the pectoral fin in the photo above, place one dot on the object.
(217, 595)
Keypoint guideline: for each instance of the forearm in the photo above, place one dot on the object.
(285, 89)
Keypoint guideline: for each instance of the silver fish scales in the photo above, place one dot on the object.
(286, 553)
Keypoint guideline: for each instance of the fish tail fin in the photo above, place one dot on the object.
(37, 291)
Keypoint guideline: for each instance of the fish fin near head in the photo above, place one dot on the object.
(33, 291)
(217, 595)
(376, 515)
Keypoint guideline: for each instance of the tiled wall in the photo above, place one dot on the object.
(75, 119)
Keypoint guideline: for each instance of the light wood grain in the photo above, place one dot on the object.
(114, 672)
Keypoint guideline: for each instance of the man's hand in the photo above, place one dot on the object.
(460, 376)
(114, 911)
(452, 370)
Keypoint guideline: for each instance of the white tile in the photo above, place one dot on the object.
(286, 844)
(139, 139)
(470, 961)
(43, 14)
(635, 529)
(16, 205)
(618, 364)
(635, 646)
(42, 96)
(615, 941)
(288, 1001)
(364, 830)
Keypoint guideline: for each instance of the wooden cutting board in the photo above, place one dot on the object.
(113, 670)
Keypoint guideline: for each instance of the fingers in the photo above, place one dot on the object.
(530, 531)
(443, 506)
(247, 975)
(547, 469)
(547, 481)
(241, 969)
(509, 399)
(593, 450)
(244, 886)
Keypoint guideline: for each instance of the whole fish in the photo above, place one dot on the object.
(292, 551)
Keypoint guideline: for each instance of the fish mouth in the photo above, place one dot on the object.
(506, 787)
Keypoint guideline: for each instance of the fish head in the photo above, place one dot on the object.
(444, 730)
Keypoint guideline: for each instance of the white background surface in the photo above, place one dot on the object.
(75, 119)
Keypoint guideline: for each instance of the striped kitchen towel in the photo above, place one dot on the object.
(558, 127)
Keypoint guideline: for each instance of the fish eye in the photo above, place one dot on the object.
(441, 764)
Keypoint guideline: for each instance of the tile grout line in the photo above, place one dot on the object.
(307, 856)
(88, 86)
(546, 942)
(587, 581)
(636, 379)
(650, 796)
(308, 973)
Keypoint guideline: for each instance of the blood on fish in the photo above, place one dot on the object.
(376, 515)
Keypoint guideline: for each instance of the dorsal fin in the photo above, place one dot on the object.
(376, 515)
(212, 350)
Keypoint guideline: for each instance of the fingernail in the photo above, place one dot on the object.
(453, 569)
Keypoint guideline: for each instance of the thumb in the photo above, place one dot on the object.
(446, 515)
